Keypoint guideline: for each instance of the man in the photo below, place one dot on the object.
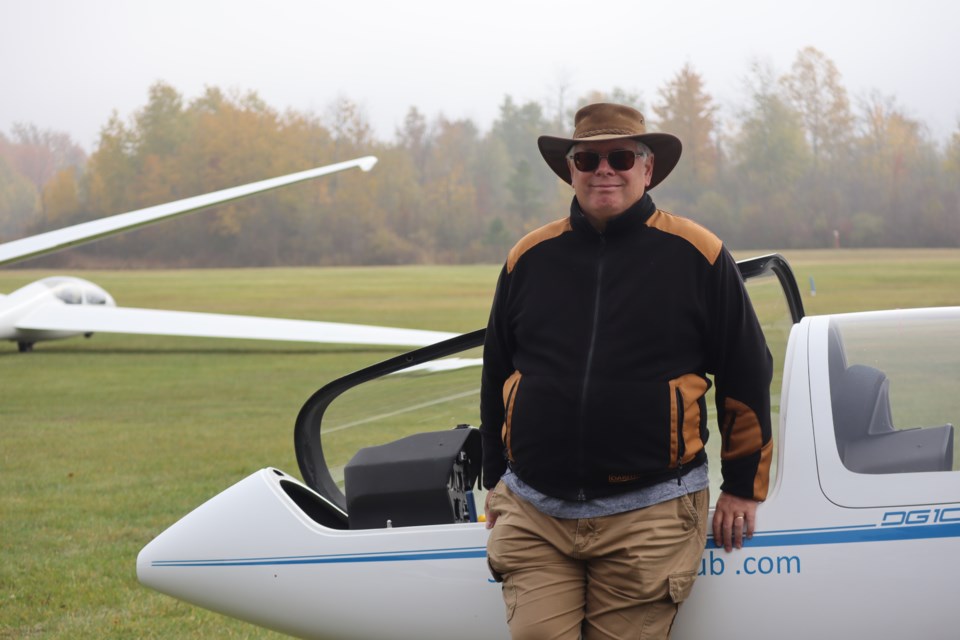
(603, 329)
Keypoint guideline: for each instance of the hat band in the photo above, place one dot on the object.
(607, 132)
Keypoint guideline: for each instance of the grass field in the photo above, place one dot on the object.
(106, 442)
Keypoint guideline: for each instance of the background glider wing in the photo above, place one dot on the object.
(86, 319)
(87, 231)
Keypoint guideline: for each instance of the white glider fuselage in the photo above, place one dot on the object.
(36, 298)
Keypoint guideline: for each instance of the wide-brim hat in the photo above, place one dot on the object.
(605, 121)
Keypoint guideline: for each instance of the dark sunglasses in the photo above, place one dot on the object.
(619, 160)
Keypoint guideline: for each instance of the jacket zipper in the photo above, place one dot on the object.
(581, 495)
(681, 445)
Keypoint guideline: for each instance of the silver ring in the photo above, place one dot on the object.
(738, 518)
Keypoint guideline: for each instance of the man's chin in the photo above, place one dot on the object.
(606, 207)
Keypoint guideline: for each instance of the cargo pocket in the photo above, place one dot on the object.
(680, 585)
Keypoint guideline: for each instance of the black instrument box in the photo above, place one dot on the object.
(421, 479)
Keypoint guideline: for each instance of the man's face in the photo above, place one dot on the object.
(604, 192)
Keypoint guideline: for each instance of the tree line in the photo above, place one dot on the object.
(795, 165)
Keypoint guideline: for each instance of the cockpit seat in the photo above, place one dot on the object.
(868, 441)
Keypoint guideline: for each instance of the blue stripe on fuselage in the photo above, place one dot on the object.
(430, 554)
(786, 538)
(846, 535)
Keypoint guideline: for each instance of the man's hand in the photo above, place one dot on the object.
(732, 517)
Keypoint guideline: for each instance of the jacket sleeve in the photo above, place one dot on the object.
(497, 367)
(742, 368)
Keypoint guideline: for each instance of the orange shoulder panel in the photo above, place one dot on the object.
(534, 238)
(702, 238)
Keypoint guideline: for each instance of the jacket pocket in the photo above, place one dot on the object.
(687, 416)
(510, 388)
(677, 444)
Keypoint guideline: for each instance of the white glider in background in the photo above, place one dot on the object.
(62, 307)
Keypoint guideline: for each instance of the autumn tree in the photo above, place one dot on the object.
(303, 142)
(61, 198)
(111, 170)
(495, 208)
(136, 164)
(770, 155)
(160, 125)
(449, 195)
(38, 156)
(686, 110)
(357, 221)
(815, 90)
(951, 166)
(898, 203)
(952, 156)
(216, 141)
(414, 139)
(18, 196)
(350, 127)
(528, 180)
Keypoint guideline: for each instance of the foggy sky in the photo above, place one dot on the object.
(68, 64)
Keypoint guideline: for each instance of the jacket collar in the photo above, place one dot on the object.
(636, 215)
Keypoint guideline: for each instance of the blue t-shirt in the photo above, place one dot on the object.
(608, 505)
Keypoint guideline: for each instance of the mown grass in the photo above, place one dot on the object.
(104, 443)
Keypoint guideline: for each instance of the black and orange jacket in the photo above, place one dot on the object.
(597, 355)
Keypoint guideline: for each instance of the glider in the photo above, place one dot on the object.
(858, 538)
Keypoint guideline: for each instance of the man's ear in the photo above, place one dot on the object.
(648, 172)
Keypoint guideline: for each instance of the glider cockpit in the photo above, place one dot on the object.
(868, 437)
(77, 291)
(66, 289)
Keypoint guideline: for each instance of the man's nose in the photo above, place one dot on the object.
(604, 165)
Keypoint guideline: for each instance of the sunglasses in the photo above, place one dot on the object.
(619, 160)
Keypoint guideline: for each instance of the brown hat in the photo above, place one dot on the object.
(605, 121)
